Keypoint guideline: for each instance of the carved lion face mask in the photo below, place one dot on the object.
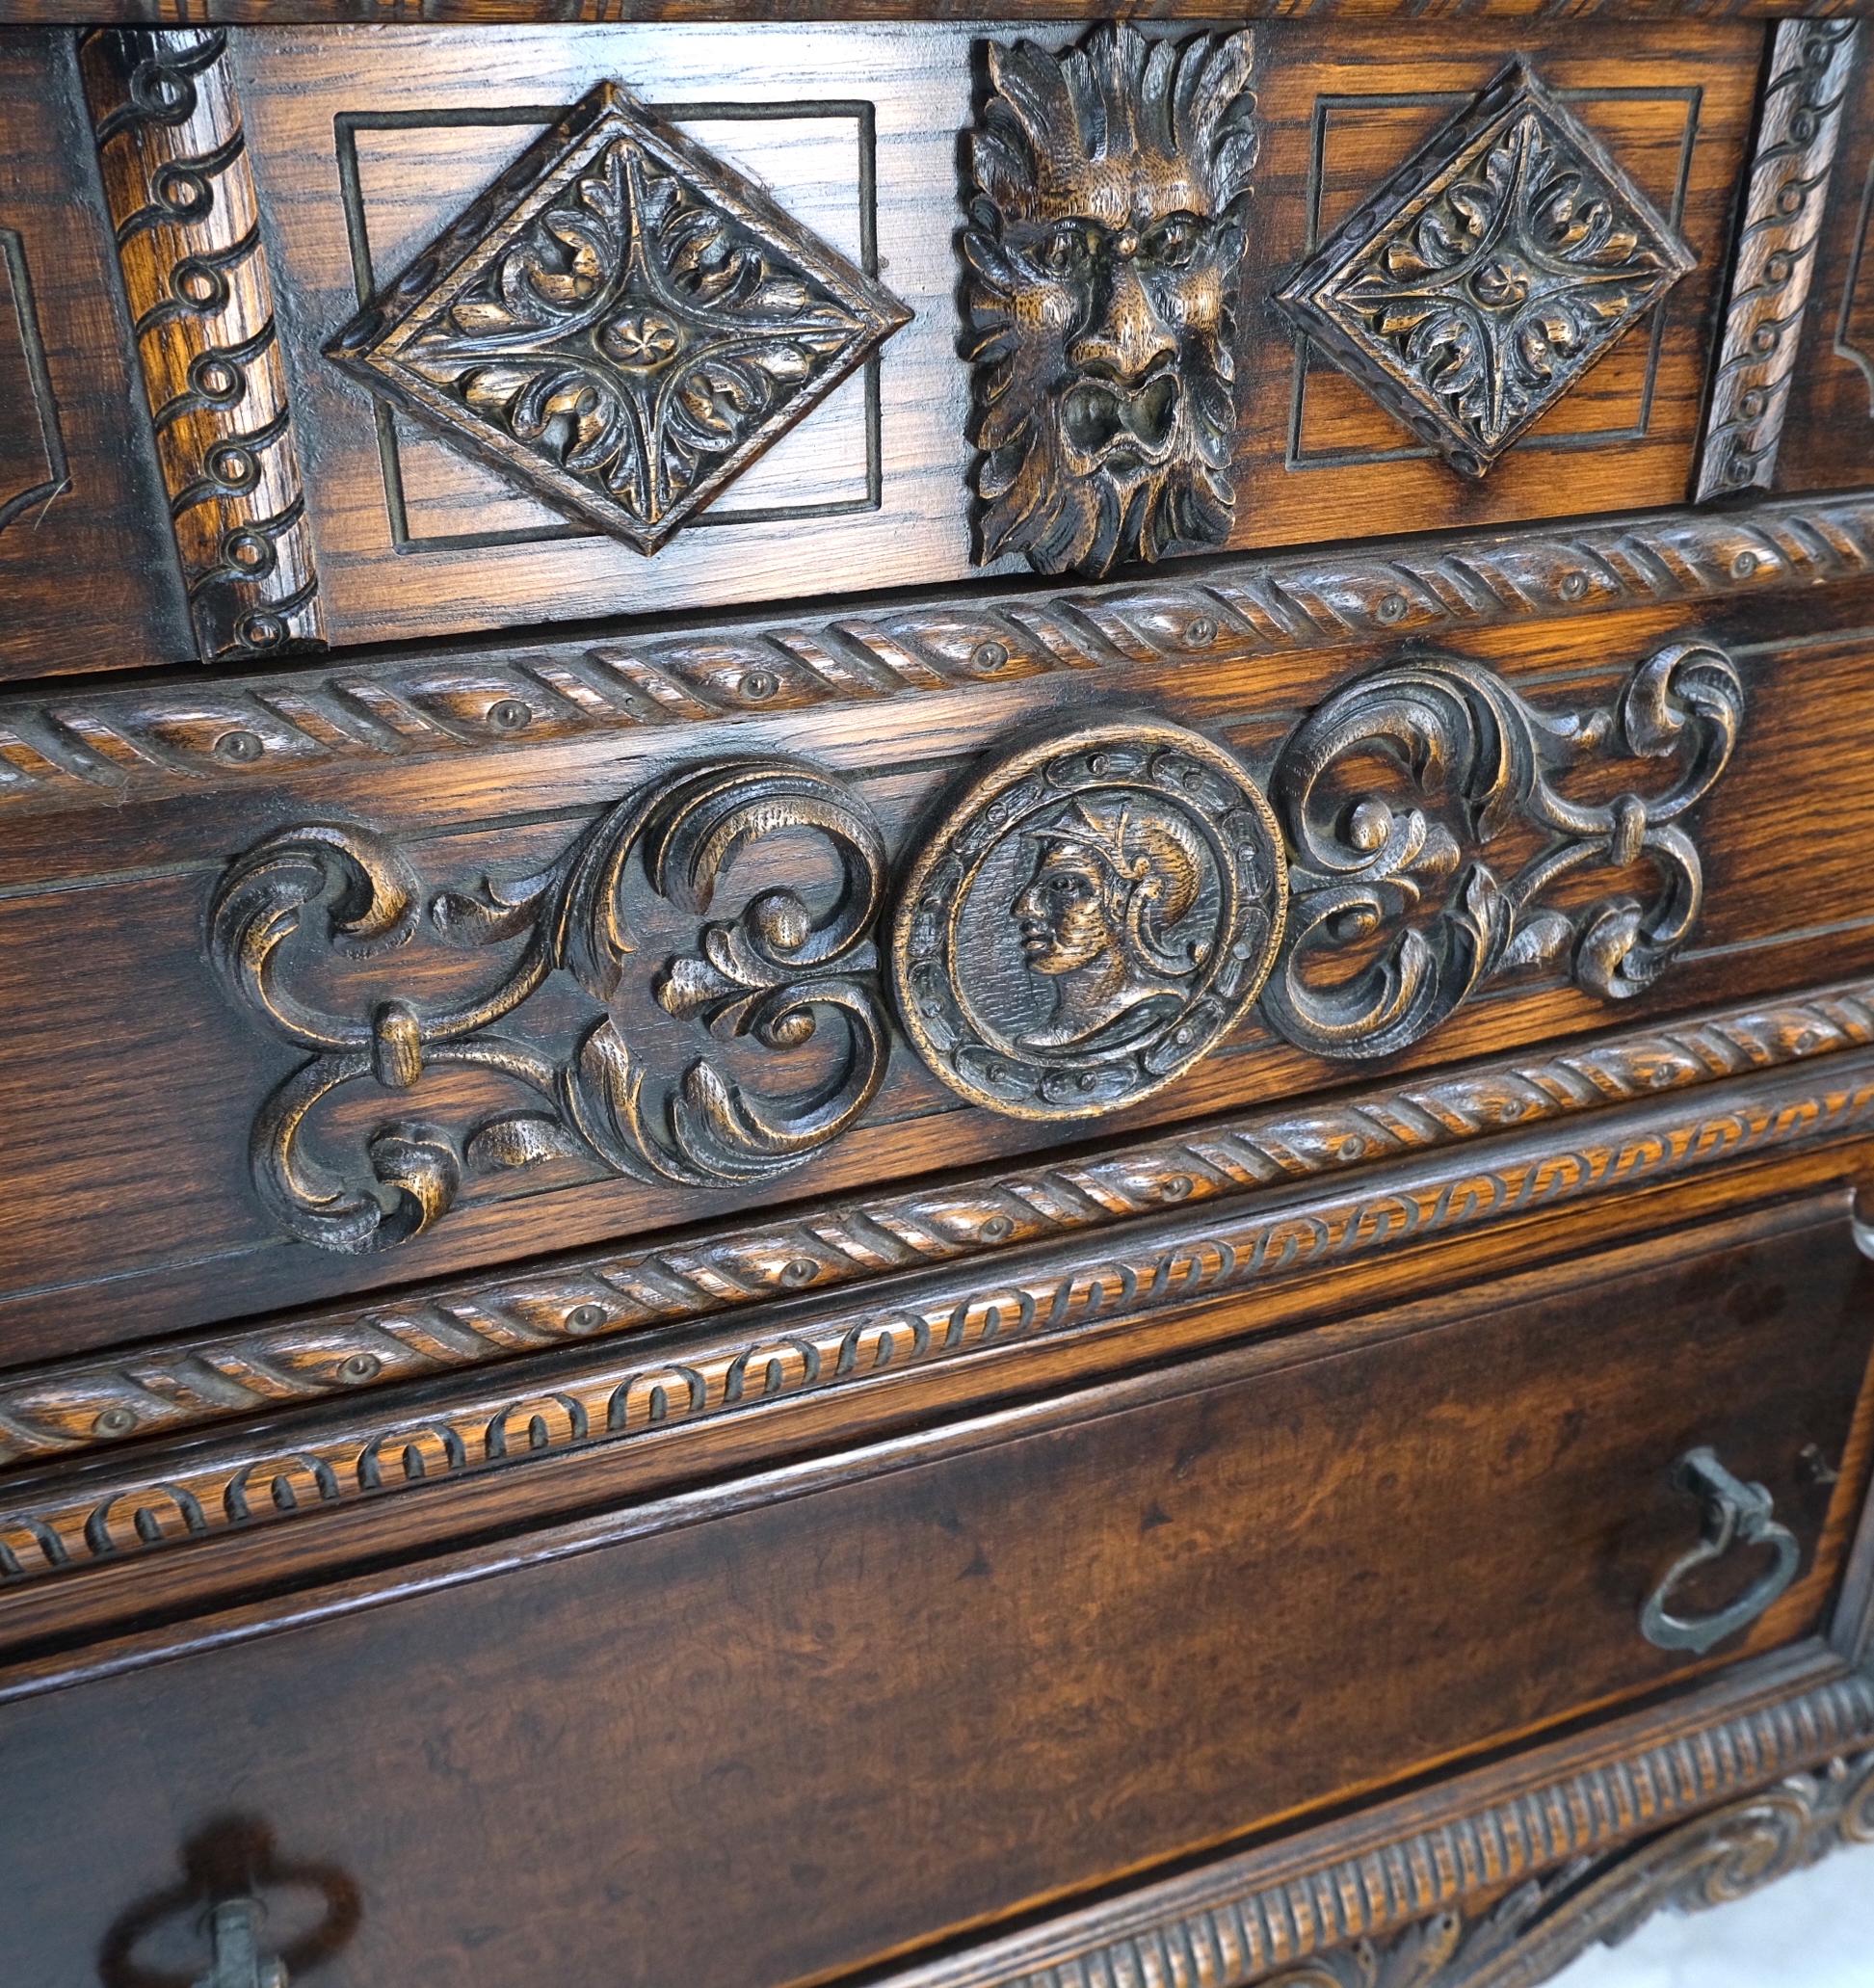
(1105, 222)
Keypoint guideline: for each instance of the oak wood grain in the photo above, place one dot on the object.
(709, 1677)
(88, 577)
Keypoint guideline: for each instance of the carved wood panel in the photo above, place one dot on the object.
(478, 814)
(854, 131)
(88, 577)
(1083, 923)
(1343, 114)
(621, 322)
(1481, 283)
(848, 133)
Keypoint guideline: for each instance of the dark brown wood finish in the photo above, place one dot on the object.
(500, 12)
(853, 129)
(202, 1242)
(953, 1586)
(88, 577)
(847, 1266)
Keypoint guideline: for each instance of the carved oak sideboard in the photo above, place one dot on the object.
(936, 988)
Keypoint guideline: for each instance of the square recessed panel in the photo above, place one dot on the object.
(1489, 275)
(621, 324)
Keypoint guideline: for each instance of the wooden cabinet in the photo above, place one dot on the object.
(936, 1000)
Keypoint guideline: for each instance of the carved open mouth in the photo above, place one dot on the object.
(1120, 428)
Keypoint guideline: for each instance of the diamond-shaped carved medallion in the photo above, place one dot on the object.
(621, 322)
(1488, 273)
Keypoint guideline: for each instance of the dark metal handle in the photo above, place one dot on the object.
(234, 1941)
(1734, 1514)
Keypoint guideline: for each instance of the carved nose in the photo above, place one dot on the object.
(1128, 340)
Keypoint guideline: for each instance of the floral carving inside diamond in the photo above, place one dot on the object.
(621, 322)
(1486, 277)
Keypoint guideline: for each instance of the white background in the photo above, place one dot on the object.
(1813, 1930)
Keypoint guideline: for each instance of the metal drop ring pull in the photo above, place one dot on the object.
(234, 1941)
(1735, 1514)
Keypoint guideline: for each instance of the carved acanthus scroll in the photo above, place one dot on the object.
(1087, 916)
(1394, 794)
(314, 894)
(772, 975)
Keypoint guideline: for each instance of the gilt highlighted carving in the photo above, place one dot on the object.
(621, 322)
(1486, 277)
(1093, 915)
(1108, 188)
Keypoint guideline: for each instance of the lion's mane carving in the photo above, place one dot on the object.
(1108, 186)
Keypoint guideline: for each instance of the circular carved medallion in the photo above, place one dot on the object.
(1092, 916)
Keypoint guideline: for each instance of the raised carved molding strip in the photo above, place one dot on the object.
(1780, 1785)
(83, 746)
(161, 1494)
(180, 188)
(1599, 1901)
(483, 12)
(1811, 68)
(978, 1218)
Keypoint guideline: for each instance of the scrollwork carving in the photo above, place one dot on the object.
(772, 975)
(1093, 913)
(621, 323)
(103, 747)
(318, 892)
(1108, 188)
(1485, 278)
(1407, 889)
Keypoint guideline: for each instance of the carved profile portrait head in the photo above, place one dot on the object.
(1104, 915)
(1108, 189)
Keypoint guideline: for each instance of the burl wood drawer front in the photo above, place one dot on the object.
(1062, 1643)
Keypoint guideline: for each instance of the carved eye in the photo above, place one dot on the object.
(1072, 248)
(1172, 243)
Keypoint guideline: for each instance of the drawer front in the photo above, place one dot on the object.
(366, 158)
(414, 456)
(1059, 1644)
(1672, 825)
